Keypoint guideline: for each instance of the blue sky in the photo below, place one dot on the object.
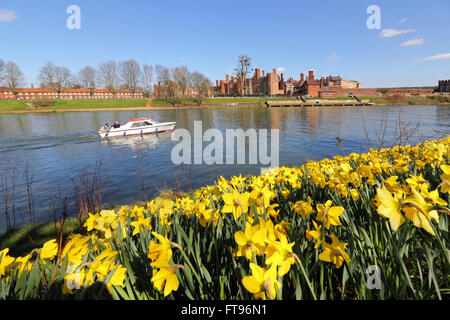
(330, 37)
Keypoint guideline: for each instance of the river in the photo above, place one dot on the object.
(58, 147)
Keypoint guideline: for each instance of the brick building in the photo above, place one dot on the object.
(274, 84)
(265, 84)
(331, 86)
(66, 94)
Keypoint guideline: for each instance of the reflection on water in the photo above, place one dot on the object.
(137, 143)
(59, 146)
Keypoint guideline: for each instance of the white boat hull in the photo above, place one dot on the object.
(125, 132)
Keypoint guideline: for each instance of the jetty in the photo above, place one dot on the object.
(318, 103)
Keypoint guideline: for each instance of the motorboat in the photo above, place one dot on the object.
(137, 127)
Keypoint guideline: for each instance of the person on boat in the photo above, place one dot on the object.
(116, 125)
(107, 126)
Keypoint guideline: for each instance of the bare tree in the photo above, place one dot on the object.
(182, 77)
(58, 78)
(63, 79)
(13, 76)
(167, 86)
(2, 71)
(109, 76)
(47, 74)
(242, 70)
(148, 78)
(201, 84)
(131, 74)
(88, 79)
(163, 76)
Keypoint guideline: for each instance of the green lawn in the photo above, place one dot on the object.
(75, 104)
(10, 106)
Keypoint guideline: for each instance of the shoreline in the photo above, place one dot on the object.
(203, 106)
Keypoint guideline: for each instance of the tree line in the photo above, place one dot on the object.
(11, 76)
(173, 83)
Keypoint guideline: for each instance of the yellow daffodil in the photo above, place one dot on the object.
(389, 207)
(166, 278)
(445, 177)
(155, 249)
(329, 214)
(49, 250)
(139, 224)
(235, 203)
(334, 252)
(6, 262)
(262, 283)
(315, 234)
(280, 253)
(251, 241)
(419, 212)
(303, 207)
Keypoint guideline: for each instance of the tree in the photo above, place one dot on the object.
(2, 71)
(47, 74)
(164, 78)
(131, 74)
(109, 76)
(242, 70)
(58, 78)
(63, 79)
(182, 77)
(162, 74)
(201, 84)
(148, 78)
(13, 76)
(87, 78)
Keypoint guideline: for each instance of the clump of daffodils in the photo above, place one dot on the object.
(257, 213)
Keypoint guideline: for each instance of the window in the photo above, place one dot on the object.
(138, 124)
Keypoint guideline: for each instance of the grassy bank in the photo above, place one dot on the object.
(112, 104)
(319, 231)
(7, 106)
(23, 240)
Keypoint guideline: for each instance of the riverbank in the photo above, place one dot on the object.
(20, 107)
(22, 240)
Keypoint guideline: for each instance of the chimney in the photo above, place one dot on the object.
(228, 78)
(274, 71)
(264, 73)
(222, 87)
(217, 83)
(302, 77)
(257, 73)
(282, 78)
(32, 86)
(232, 79)
(311, 75)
